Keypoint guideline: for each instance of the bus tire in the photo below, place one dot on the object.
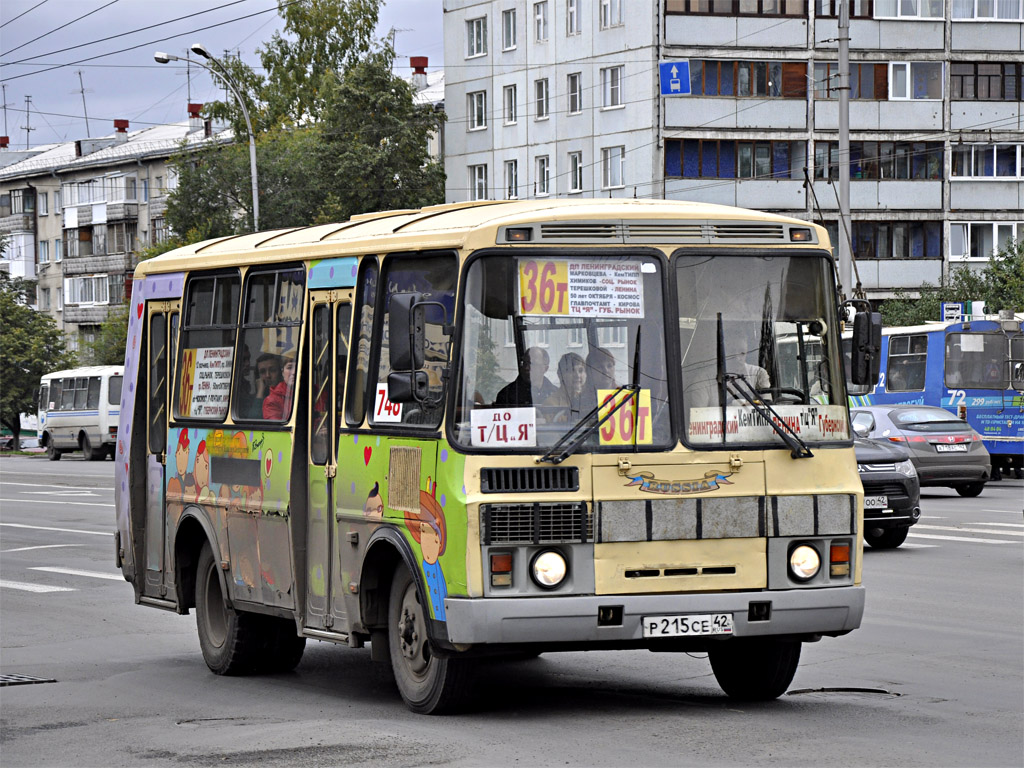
(429, 684)
(52, 452)
(229, 639)
(282, 647)
(886, 538)
(970, 490)
(755, 669)
(88, 452)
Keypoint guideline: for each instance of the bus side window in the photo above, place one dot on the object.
(81, 393)
(67, 400)
(157, 384)
(358, 374)
(94, 393)
(319, 450)
(343, 329)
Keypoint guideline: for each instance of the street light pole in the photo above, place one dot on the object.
(221, 72)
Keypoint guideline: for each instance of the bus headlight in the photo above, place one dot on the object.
(906, 468)
(548, 569)
(804, 562)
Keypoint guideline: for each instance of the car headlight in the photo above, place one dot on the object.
(548, 569)
(804, 562)
(906, 468)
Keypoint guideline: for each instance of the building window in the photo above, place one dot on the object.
(984, 81)
(508, 29)
(987, 10)
(58, 255)
(737, 7)
(988, 161)
(575, 89)
(611, 13)
(22, 201)
(543, 176)
(761, 79)
(478, 182)
(859, 9)
(511, 179)
(540, 21)
(981, 239)
(56, 201)
(541, 92)
(476, 37)
(881, 160)
(44, 251)
(611, 87)
(915, 80)
(510, 104)
(89, 289)
(612, 160)
(44, 203)
(908, 9)
(897, 239)
(44, 298)
(572, 17)
(726, 159)
(60, 299)
(158, 227)
(575, 172)
(867, 81)
(145, 191)
(477, 110)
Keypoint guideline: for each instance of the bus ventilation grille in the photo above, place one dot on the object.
(529, 479)
(748, 232)
(537, 523)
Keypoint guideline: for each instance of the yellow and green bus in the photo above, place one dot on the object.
(497, 428)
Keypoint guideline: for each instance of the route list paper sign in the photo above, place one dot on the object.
(205, 382)
(580, 288)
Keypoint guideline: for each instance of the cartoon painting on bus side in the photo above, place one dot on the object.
(437, 527)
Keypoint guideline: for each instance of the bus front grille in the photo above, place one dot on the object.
(537, 523)
(529, 479)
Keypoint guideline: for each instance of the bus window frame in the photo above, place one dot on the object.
(907, 354)
(184, 328)
(358, 301)
(455, 376)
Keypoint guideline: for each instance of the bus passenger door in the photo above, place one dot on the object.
(330, 320)
(162, 323)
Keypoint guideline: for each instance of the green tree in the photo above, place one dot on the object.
(1004, 279)
(109, 345)
(31, 345)
(963, 284)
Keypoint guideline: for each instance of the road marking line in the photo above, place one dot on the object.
(968, 530)
(60, 530)
(4, 584)
(76, 572)
(61, 487)
(51, 501)
(62, 494)
(41, 546)
(1003, 525)
(959, 538)
(921, 546)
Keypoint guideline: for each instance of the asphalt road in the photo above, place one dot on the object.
(935, 676)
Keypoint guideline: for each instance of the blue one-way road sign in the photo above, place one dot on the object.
(675, 78)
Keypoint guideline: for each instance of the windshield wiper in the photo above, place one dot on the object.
(586, 427)
(798, 448)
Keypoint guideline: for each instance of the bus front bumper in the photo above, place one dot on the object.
(574, 619)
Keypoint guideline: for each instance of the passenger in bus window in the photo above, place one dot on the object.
(268, 369)
(531, 386)
(600, 375)
(897, 379)
(278, 402)
(567, 403)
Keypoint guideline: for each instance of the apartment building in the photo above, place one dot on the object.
(563, 97)
(77, 214)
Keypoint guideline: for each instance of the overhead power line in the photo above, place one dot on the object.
(68, 24)
(21, 14)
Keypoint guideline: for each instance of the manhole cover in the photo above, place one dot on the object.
(23, 680)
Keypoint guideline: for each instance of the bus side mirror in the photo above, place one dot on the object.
(407, 386)
(866, 357)
(406, 337)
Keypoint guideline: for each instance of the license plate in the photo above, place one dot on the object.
(951, 448)
(876, 502)
(687, 626)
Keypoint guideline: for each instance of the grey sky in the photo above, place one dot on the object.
(131, 85)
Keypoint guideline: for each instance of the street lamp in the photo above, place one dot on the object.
(199, 50)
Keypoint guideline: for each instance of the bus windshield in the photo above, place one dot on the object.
(764, 325)
(546, 339)
(976, 361)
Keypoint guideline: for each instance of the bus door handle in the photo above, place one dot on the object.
(331, 470)
(162, 459)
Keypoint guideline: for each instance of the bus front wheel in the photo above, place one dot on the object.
(52, 452)
(754, 669)
(429, 684)
(229, 639)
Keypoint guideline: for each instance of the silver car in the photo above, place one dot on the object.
(945, 450)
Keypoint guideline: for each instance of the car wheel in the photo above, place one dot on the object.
(970, 489)
(754, 669)
(52, 452)
(886, 538)
(429, 684)
(228, 638)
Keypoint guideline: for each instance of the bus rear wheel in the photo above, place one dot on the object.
(755, 669)
(88, 452)
(229, 639)
(429, 684)
(282, 648)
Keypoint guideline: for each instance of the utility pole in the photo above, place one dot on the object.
(27, 127)
(81, 87)
(845, 231)
(4, 87)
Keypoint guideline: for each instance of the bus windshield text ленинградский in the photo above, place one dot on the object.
(499, 427)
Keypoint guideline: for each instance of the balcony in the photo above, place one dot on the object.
(17, 222)
(90, 314)
(88, 265)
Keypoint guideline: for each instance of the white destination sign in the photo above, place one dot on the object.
(504, 427)
(745, 425)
